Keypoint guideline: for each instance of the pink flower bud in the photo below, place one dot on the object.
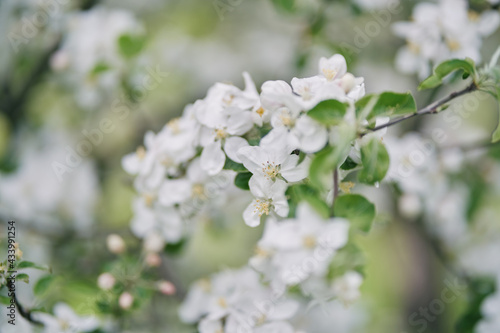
(115, 244)
(106, 281)
(166, 287)
(126, 300)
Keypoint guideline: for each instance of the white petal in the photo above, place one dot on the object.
(251, 216)
(252, 158)
(239, 122)
(213, 158)
(131, 163)
(298, 173)
(232, 146)
(174, 191)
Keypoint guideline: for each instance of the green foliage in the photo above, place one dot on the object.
(175, 248)
(285, 5)
(330, 112)
(131, 45)
(375, 162)
(445, 68)
(393, 104)
(387, 104)
(242, 179)
(43, 284)
(479, 289)
(357, 209)
(232, 165)
(23, 277)
(311, 195)
(325, 162)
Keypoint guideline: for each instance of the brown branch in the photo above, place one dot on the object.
(430, 109)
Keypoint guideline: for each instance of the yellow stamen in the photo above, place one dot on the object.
(222, 302)
(198, 191)
(453, 45)
(173, 125)
(329, 73)
(220, 134)
(309, 242)
(262, 207)
(140, 152)
(346, 187)
(271, 170)
(260, 111)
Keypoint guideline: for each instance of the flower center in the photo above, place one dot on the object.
(329, 73)
(222, 302)
(149, 199)
(287, 119)
(453, 45)
(260, 252)
(198, 191)
(271, 170)
(140, 152)
(309, 242)
(262, 207)
(228, 100)
(220, 133)
(414, 48)
(173, 125)
(346, 187)
(260, 111)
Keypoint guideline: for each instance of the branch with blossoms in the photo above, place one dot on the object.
(283, 145)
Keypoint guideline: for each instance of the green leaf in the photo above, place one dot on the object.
(131, 45)
(23, 277)
(175, 248)
(285, 5)
(99, 68)
(393, 104)
(29, 264)
(349, 164)
(323, 164)
(365, 105)
(242, 179)
(4, 300)
(232, 165)
(312, 196)
(478, 290)
(446, 68)
(375, 162)
(357, 209)
(43, 284)
(329, 112)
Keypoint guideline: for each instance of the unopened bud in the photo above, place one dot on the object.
(59, 61)
(166, 287)
(347, 82)
(153, 260)
(115, 244)
(106, 281)
(126, 300)
(154, 243)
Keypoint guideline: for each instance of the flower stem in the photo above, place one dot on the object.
(335, 188)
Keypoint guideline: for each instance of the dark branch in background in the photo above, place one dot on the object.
(14, 106)
(430, 109)
(26, 314)
(335, 188)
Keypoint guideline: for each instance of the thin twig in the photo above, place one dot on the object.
(26, 314)
(335, 188)
(430, 109)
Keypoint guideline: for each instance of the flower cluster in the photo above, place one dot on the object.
(269, 140)
(442, 31)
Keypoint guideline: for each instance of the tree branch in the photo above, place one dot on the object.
(335, 188)
(26, 314)
(430, 109)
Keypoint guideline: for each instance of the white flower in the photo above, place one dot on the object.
(346, 287)
(66, 321)
(274, 160)
(294, 250)
(269, 197)
(235, 301)
(151, 217)
(442, 31)
(164, 152)
(193, 190)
